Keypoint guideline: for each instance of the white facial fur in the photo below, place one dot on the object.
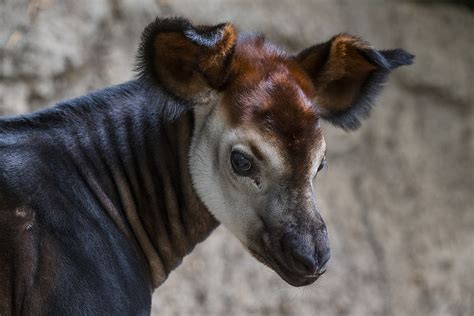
(232, 199)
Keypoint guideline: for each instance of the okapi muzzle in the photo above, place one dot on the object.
(295, 244)
(102, 196)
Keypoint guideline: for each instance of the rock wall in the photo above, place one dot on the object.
(398, 195)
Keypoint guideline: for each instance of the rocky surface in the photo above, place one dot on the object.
(398, 195)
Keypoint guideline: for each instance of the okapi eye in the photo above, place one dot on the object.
(240, 163)
(322, 165)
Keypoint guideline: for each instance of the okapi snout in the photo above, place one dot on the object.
(304, 256)
(299, 253)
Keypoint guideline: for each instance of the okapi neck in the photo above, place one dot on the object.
(131, 147)
(183, 220)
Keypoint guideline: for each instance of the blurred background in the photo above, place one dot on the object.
(398, 195)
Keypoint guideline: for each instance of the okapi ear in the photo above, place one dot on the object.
(183, 58)
(348, 74)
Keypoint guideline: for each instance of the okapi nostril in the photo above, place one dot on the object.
(301, 256)
(324, 261)
(304, 262)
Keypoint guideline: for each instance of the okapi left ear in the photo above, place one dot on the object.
(185, 59)
(347, 75)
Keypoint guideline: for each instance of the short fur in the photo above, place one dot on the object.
(183, 58)
(102, 196)
(348, 75)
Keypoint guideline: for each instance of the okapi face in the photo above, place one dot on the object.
(258, 145)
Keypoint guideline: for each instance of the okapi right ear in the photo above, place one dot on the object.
(186, 59)
(347, 74)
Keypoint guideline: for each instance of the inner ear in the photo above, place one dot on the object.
(186, 59)
(338, 70)
(347, 74)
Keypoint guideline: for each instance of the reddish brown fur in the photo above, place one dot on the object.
(269, 90)
(176, 57)
(339, 76)
(282, 95)
(27, 293)
(186, 68)
(212, 63)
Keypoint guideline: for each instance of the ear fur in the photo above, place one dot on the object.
(183, 58)
(348, 74)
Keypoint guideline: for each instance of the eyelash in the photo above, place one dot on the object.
(323, 165)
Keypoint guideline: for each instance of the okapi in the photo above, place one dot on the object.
(102, 196)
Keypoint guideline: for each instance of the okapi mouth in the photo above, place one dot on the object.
(263, 252)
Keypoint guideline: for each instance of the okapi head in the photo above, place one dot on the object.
(258, 144)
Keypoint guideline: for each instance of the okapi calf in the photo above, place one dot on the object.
(102, 196)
